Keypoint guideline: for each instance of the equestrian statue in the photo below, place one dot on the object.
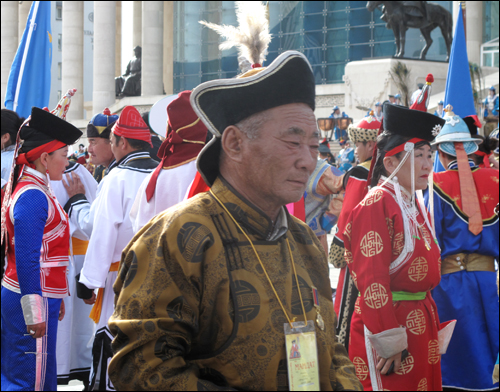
(402, 15)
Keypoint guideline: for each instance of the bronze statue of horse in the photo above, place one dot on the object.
(402, 15)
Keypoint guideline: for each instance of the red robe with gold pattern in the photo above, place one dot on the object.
(374, 240)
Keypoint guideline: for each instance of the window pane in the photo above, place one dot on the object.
(336, 37)
(334, 73)
(336, 55)
(358, 35)
(292, 42)
(336, 19)
(314, 22)
(315, 56)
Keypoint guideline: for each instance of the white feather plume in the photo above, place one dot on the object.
(251, 37)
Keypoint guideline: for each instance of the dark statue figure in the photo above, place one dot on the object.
(402, 15)
(129, 84)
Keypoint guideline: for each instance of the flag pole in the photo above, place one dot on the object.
(25, 54)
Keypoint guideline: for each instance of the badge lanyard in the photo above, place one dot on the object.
(264, 269)
(301, 347)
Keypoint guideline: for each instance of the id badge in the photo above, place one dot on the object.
(302, 356)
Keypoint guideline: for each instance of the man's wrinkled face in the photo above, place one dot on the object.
(282, 157)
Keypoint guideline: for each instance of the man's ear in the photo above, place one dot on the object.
(123, 143)
(232, 143)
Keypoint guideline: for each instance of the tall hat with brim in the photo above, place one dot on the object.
(100, 125)
(456, 130)
(224, 102)
(186, 136)
(42, 131)
(130, 125)
(364, 131)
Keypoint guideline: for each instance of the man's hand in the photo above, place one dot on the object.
(36, 330)
(91, 300)
(62, 311)
(73, 185)
(384, 364)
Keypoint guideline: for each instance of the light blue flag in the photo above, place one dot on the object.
(29, 78)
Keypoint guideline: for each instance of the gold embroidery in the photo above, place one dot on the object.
(418, 269)
(371, 244)
(422, 385)
(433, 351)
(495, 179)
(398, 244)
(375, 296)
(347, 231)
(485, 198)
(406, 366)
(415, 322)
(372, 198)
(361, 368)
(390, 226)
(357, 308)
(348, 257)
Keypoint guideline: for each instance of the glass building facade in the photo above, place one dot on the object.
(329, 33)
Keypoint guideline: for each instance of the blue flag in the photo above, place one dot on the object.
(458, 92)
(29, 77)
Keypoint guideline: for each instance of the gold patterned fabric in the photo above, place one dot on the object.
(194, 310)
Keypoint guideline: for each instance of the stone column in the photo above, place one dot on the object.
(168, 47)
(104, 58)
(137, 25)
(474, 21)
(24, 11)
(10, 41)
(118, 40)
(72, 55)
(152, 48)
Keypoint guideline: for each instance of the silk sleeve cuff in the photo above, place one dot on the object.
(33, 309)
(390, 342)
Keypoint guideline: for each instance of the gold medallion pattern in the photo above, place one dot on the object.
(433, 351)
(390, 226)
(361, 368)
(372, 198)
(418, 269)
(354, 278)
(398, 244)
(347, 231)
(415, 322)
(348, 257)
(422, 385)
(371, 244)
(357, 308)
(407, 365)
(375, 296)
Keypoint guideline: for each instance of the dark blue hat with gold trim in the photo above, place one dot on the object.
(100, 125)
(224, 102)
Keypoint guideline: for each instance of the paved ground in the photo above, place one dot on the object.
(334, 277)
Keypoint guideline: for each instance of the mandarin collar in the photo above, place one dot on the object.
(390, 186)
(248, 215)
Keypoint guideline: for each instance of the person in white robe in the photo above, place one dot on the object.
(169, 183)
(111, 231)
(75, 331)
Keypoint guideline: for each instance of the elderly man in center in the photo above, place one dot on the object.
(206, 289)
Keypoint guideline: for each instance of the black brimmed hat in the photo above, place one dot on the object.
(224, 102)
(403, 124)
(45, 127)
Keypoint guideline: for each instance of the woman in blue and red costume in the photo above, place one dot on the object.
(36, 231)
(462, 205)
(394, 261)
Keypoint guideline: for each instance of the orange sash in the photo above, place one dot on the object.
(95, 313)
(79, 246)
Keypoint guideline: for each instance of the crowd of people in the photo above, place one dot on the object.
(185, 271)
(201, 261)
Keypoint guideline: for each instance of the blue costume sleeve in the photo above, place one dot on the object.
(438, 215)
(30, 216)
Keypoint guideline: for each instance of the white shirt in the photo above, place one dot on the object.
(112, 228)
(171, 187)
(62, 197)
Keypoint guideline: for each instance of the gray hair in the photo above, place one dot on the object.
(251, 126)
